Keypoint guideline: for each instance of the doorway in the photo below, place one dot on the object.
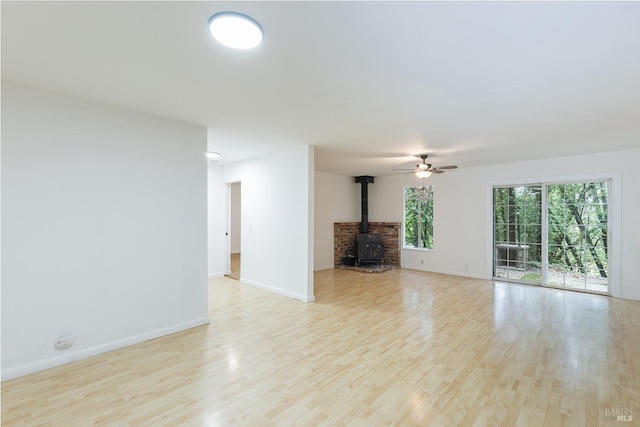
(235, 230)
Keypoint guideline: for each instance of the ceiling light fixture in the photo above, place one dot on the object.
(423, 174)
(235, 30)
(212, 155)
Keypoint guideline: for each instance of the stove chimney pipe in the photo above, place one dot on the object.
(364, 180)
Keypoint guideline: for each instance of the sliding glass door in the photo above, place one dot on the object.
(553, 234)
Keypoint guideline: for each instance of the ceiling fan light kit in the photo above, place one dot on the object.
(424, 170)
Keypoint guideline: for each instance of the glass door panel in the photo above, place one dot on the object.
(517, 230)
(577, 216)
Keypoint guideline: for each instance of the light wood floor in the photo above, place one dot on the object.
(234, 267)
(399, 348)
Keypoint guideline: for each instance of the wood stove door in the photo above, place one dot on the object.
(377, 251)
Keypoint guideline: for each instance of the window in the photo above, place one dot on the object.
(418, 217)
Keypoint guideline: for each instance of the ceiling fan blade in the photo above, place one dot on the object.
(403, 169)
(436, 171)
(447, 167)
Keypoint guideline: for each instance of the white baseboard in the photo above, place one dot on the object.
(324, 267)
(630, 296)
(31, 368)
(303, 298)
(214, 275)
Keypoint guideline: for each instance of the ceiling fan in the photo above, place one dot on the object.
(424, 170)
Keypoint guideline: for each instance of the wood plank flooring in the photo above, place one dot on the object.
(234, 267)
(399, 348)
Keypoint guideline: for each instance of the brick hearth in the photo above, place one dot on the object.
(344, 239)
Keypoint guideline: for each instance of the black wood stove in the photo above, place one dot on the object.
(369, 247)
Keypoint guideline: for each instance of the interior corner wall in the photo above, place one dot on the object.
(103, 228)
(461, 233)
(216, 218)
(277, 217)
(337, 199)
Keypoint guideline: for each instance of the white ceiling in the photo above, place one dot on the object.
(368, 83)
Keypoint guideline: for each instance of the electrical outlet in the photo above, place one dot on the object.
(466, 266)
(65, 340)
(421, 261)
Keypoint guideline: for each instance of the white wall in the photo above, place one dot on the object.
(277, 220)
(462, 230)
(337, 199)
(103, 228)
(236, 218)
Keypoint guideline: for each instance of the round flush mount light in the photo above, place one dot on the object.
(235, 30)
(212, 155)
